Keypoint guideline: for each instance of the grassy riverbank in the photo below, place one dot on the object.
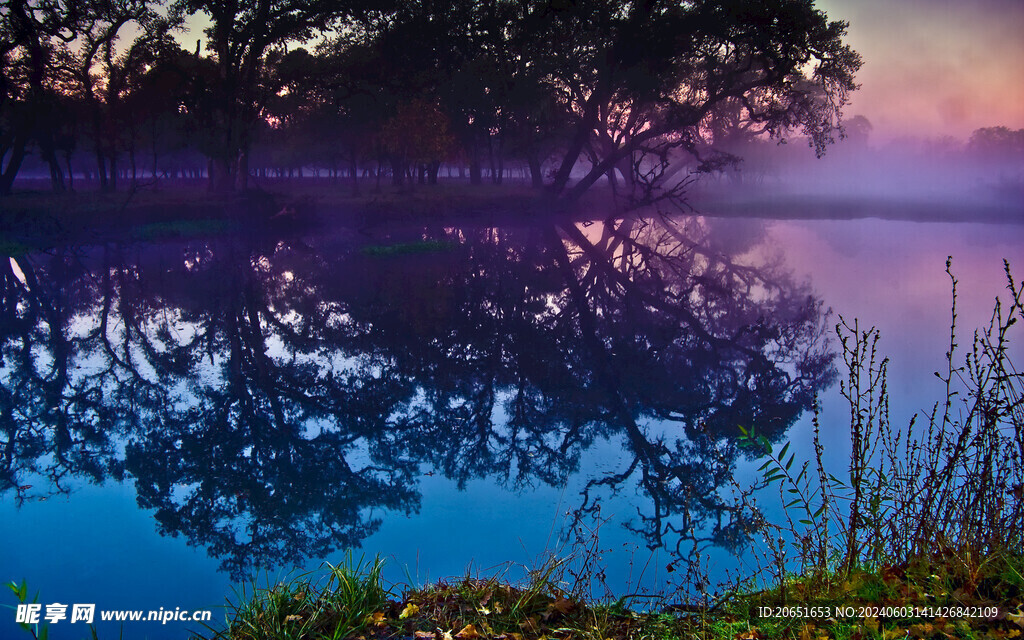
(926, 598)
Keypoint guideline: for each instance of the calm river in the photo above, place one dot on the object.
(178, 416)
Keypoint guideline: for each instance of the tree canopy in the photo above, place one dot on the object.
(624, 90)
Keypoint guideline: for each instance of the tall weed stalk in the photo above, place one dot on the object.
(951, 486)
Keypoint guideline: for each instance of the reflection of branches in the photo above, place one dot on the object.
(731, 346)
(254, 460)
(55, 423)
(279, 502)
(269, 410)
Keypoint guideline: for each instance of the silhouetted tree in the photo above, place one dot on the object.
(239, 38)
(640, 78)
(32, 33)
(999, 144)
(858, 130)
(104, 76)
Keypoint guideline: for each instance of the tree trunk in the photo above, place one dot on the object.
(71, 175)
(50, 156)
(579, 141)
(355, 173)
(536, 177)
(13, 164)
(242, 171)
(101, 167)
(625, 167)
(220, 178)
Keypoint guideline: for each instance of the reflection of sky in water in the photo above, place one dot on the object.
(891, 275)
(97, 546)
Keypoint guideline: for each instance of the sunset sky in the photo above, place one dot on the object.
(936, 67)
(931, 67)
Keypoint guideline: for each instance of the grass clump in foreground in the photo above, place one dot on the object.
(929, 598)
(344, 605)
(353, 603)
(922, 537)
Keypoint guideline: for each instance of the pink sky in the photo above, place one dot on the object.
(936, 67)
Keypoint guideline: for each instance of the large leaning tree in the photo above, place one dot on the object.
(640, 80)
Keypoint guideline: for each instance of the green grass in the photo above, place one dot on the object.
(342, 605)
(13, 248)
(353, 603)
(408, 248)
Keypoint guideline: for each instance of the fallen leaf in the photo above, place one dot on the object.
(375, 619)
(408, 611)
(425, 635)
(468, 632)
(293, 618)
(562, 605)
(1016, 618)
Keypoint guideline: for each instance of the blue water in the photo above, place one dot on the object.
(439, 396)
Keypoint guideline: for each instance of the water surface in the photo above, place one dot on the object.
(179, 415)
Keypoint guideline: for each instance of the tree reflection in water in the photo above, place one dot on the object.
(272, 401)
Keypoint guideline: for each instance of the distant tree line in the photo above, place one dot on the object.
(639, 93)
